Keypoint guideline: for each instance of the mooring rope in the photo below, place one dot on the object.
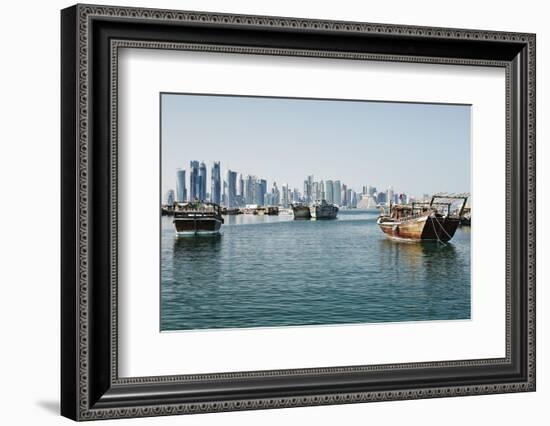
(443, 228)
(436, 234)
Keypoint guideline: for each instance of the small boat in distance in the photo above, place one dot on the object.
(230, 211)
(301, 211)
(285, 212)
(197, 218)
(433, 221)
(323, 210)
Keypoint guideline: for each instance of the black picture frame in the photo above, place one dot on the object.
(90, 386)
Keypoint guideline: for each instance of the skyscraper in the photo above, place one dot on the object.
(202, 182)
(170, 197)
(275, 195)
(296, 198)
(353, 199)
(390, 197)
(349, 197)
(314, 191)
(285, 199)
(240, 189)
(336, 193)
(261, 189)
(329, 194)
(216, 183)
(194, 180)
(344, 195)
(231, 194)
(250, 189)
(181, 191)
(308, 189)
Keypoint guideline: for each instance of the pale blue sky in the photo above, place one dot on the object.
(416, 148)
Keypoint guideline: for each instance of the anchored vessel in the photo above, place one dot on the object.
(433, 221)
(301, 211)
(323, 210)
(197, 218)
(466, 217)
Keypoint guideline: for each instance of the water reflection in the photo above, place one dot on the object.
(195, 254)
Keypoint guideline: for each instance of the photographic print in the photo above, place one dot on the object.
(292, 212)
(299, 192)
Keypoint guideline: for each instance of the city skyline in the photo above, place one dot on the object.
(280, 141)
(239, 189)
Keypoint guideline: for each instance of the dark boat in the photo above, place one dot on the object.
(197, 218)
(466, 217)
(323, 210)
(433, 221)
(230, 211)
(301, 211)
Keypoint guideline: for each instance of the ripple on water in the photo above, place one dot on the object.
(268, 271)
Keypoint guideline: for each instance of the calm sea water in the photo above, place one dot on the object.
(268, 271)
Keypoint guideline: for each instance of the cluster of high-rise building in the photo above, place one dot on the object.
(236, 190)
(371, 197)
(333, 191)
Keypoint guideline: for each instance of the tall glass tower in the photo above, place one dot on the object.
(337, 193)
(194, 180)
(262, 190)
(170, 197)
(202, 182)
(329, 194)
(250, 189)
(215, 190)
(231, 189)
(181, 191)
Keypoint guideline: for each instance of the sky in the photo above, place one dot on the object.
(415, 148)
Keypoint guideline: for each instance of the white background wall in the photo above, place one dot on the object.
(29, 240)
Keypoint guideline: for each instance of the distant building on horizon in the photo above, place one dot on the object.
(352, 199)
(194, 180)
(329, 191)
(261, 190)
(202, 182)
(181, 191)
(170, 197)
(390, 197)
(337, 192)
(344, 195)
(250, 189)
(308, 188)
(216, 184)
(231, 194)
(275, 198)
(285, 195)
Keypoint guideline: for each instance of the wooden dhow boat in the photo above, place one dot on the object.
(301, 211)
(437, 220)
(323, 210)
(197, 218)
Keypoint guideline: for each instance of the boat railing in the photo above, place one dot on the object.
(187, 209)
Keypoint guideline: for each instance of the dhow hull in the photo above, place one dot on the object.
(421, 229)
